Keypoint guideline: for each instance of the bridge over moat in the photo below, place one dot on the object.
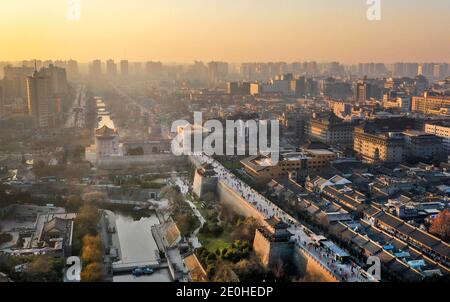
(126, 267)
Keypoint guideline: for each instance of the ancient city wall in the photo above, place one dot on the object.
(306, 263)
(313, 270)
(237, 203)
(126, 162)
(203, 185)
(261, 247)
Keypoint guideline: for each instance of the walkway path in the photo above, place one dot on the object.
(184, 188)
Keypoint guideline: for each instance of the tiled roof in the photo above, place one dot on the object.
(105, 131)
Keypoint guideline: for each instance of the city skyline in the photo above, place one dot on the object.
(174, 31)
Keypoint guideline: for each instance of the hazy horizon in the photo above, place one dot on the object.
(234, 31)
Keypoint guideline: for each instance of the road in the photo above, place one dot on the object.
(131, 100)
(77, 117)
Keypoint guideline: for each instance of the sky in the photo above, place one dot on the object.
(227, 30)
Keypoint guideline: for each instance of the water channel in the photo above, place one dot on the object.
(137, 245)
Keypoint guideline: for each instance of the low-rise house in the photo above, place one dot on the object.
(345, 196)
(432, 246)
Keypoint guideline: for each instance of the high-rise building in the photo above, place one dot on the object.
(236, 88)
(411, 70)
(1, 99)
(95, 69)
(335, 89)
(312, 87)
(367, 89)
(154, 69)
(334, 69)
(124, 68)
(298, 86)
(72, 69)
(427, 69)
(398, 70)
(45, 89)
(136, 68)
(58, 79)
(360, 92)
(111, 68)
(40, 106)
(217, 71)
(15, 81)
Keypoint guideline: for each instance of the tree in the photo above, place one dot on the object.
(93, 272)
(441, 225)
(92, 257)
(85, 224)
(43, 269)
(251, 270)
(73, 203)
(245, 230)
(94, 197)
(174, 196)
(209, 197)
(227, 214)
(92, 249)
(224, 273)
(41, 265)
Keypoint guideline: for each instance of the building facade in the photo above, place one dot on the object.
(422, 145)
(261, 168)
(431, 104)
(293, 165)
(331, 130)
(442, 130)
(106, 142)
(40, 100)
(378, 147)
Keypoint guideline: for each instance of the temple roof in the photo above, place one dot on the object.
(105, 131)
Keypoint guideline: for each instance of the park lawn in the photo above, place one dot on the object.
(214, 243)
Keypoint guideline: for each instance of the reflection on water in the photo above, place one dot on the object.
(137, 245)
(136, 240)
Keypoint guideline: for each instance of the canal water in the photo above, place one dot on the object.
(137, 245)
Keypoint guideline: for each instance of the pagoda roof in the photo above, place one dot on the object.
(105, 131)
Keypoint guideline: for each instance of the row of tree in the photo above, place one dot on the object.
(92, 257)
(85, 224)
(441, 225)
(42, 268)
